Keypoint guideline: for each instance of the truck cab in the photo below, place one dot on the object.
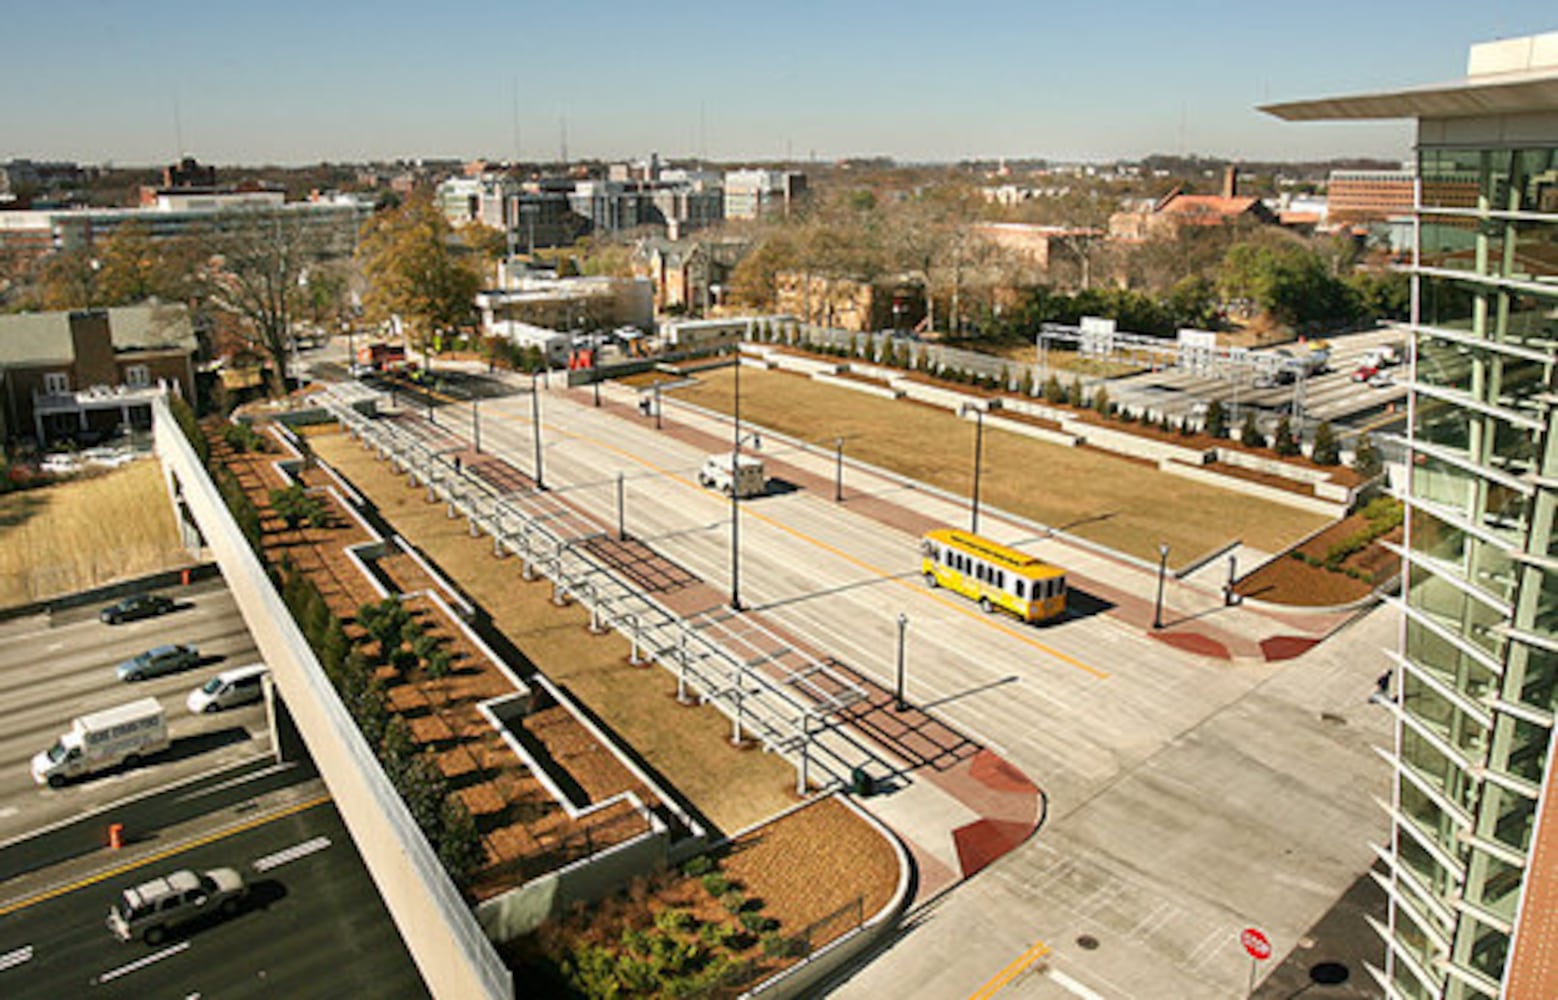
(748, 480)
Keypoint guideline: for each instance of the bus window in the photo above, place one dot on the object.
(1021, 591)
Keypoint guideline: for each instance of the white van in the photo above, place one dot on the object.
(749, 480)
(229, 689)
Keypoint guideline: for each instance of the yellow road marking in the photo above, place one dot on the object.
(1037, 951)
(181, 848)
(957, 606)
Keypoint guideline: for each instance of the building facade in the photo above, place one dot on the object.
(1471, 865)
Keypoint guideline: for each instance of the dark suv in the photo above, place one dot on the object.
(135, 607)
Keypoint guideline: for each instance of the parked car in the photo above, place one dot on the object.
(1364, 373)
(136, 607)
(229, 689)
(157, 661)
(152, 909)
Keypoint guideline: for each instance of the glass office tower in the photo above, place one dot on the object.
(1471, 867)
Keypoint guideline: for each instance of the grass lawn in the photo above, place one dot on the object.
(1125, 504)
(81, 534)
(688, 746)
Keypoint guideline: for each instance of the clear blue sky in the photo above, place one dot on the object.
(294, 82)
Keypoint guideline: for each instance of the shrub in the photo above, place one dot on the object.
(1074, 393)
(1249, 434)
(439, 664)
(1053, 393)
(1365, 460)
(716, 884)
(734, 902)
(1216, 420)
(403, 660)
(673, 921)
(424, 645)
(1325, 451)
(716, 935)
(756, 923)
(700, 865)
(776, 945)
(1284, 443)
(1101, 401)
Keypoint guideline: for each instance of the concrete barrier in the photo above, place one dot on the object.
(1311, 504)
(855, 385)
(949, 399)
(1271, 466)
(445, 941)
(1134, 445)
(806, 366)
(1033, 431)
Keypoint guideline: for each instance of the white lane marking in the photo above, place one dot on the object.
(292, 853)
(158, 956)
(6, 812)
(11, 959)
(55, 646)
(234, 782)
(1061, 979)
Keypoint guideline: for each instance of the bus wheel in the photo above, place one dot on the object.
(984, 605)
(930, 580)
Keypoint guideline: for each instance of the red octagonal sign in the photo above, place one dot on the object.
(1255, 943)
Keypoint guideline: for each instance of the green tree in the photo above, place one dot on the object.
(1074, 392)
(1249, 433)
(1325, 451)
(1216, 420)
(413, 272)
(1366, 458)
(1284, 443)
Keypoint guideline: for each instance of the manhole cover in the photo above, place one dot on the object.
(1087, 942)
(1329, 973)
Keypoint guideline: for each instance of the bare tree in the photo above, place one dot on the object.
(257, 263)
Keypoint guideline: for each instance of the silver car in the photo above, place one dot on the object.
(151, 910)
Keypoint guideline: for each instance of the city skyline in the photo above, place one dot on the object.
(295, 84)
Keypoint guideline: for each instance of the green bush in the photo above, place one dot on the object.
(716, 884)
(756, 923)
(716, 935)
(698, 866)
(438, 664)
(674, 921)
(733, 901)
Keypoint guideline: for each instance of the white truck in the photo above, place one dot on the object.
(749, 479)
(98, 740)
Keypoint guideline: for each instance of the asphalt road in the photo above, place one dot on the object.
(1174, 782)
(54, 669)
(313, 926)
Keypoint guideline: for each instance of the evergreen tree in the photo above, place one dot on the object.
(1216, 420)
(1249, 434)
(1053, 393)
(1365, 460)
(1326, 451)
(1284, 443)
(1074, 394)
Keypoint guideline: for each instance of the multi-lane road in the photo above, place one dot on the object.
(1186, 796)
(54, 668)
(312, 925)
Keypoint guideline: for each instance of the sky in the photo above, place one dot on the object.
(134, 82)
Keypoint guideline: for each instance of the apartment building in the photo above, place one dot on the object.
(1471, 865)
(750, 194)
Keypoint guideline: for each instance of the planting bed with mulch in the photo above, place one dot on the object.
(718, 925)
(1290, 580)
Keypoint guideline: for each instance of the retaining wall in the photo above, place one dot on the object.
(1124, 443)
(1313, 505)
(1029, 430)
(856, 386)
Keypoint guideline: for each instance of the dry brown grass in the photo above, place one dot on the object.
(1125, 504)
(688, 746)
(81, 534)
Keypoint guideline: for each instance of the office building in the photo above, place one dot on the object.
(1471, 865)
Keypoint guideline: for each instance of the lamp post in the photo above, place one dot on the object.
(838, 470)
(476, 424)
(903, 628)
(535, 424)
(1157, 611)
(735, 497)
(979, 447)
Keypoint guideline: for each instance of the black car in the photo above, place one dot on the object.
(135, 607)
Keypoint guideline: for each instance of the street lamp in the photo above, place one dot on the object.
(535, 424)
(737, 440)
(838, 470)
(1157, 611)
(903, 627)
(476, 424)
(979, 447)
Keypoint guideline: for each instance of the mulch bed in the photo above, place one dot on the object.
(1287, 580)
(776, 868)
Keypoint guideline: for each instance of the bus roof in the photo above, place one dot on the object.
(1003, 555)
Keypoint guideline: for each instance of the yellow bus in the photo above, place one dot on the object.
(993, 574)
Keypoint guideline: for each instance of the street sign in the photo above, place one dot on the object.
(1256, 944)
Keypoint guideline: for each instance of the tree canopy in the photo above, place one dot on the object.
(414, 272)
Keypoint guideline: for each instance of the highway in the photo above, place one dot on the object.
(53, 669)
(313, 925)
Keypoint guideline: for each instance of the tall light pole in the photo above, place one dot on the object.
(735, 496)
(979, 447)
(838, 470)
(1157, 611)
(476, 424)
(535, 424)
(903, 627)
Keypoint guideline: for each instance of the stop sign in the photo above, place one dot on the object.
(1256, 944)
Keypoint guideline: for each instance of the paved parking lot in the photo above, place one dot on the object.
(54, 669)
